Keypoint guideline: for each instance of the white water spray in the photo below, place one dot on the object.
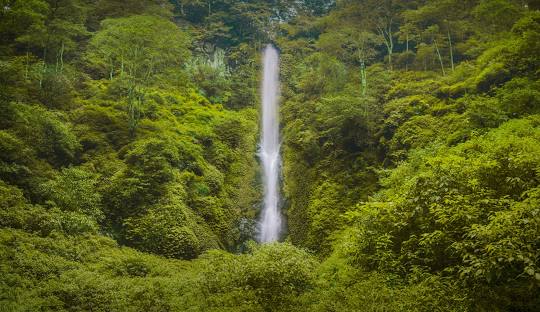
(270, 225)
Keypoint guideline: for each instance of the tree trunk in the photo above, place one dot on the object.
(135, 100)
(111, 73)
(60, 58)
(439, 55)
(122, 65)
(43, 68)
(27, 65)
(363, 77)
(451, 50)
(407, 50)
(388, 41)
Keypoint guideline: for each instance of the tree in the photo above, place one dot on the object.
(379, 17)
(442, 19)
(497, 15)
(433, 34)
(212, 76)
(103, 9)
(47, 28)
(348, 43)
(136, 49)
(20, 19)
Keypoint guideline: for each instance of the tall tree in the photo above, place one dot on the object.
(380, 17)
(136, 49)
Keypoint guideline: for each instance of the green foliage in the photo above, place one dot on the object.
(445, 150)
(497, 14)
(320, 73)
(91, 272)
(212, 76)
(104, 9)
(75, 190)
(169, 228)
(16, 158)
(138, 50)
(21, 19)
(410, 155)
(141, 191)
(47, 132)
(440, 201)
(17, 213)
(138, 47)
(56, 90)
(324, 213)
(269, 279)
(137, 156)
(519, 97)
(341, 287)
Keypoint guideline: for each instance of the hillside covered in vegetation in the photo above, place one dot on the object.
(129, 176)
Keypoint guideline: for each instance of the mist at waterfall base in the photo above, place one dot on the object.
(270, 222)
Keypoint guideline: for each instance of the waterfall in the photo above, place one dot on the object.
(270, 224)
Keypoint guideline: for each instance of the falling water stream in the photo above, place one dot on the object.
(270, 223)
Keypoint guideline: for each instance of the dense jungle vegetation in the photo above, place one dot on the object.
(129, 179)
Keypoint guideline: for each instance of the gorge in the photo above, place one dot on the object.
(161, 155)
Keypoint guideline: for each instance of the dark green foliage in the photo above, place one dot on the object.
(448, 139)
(138, 47)
(17, 213)
(16, 158)
(212, 76)
(441, 210)
(171, 229)
(47, 132)
(102, 132)
(319, 74)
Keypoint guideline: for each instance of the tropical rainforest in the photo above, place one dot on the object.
(129, 176)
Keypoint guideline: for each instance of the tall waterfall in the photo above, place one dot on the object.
(270, 224)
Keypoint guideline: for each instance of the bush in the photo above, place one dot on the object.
(170, 229)
(75, 190)
(340, 287)
(445, 211)
(47, 132)
(270, 278)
